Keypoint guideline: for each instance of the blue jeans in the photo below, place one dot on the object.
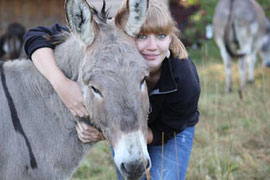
(172, 164)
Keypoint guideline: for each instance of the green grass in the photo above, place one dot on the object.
(97, 165)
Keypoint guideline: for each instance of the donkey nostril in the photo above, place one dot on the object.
(135, 168)
(147, 164)
(130, 168)
(123, 167)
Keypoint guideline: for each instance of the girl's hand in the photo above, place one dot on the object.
(68, 90)
(149, 136)
(71, 95)
(88, 134)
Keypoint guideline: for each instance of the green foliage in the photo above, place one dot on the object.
(192, 2)
(265, 4)
(206, 12)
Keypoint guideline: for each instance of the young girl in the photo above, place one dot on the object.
(173, 87)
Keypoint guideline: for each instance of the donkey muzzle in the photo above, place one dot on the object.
(134, 169)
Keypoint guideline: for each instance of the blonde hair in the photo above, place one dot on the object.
(160, 20)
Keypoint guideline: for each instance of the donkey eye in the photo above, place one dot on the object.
(96, 91)
(143, 82)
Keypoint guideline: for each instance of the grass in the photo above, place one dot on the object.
(97, 165)
(232, 137)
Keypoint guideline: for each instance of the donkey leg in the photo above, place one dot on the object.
(228, 69)
(242, 72)
(251, 59)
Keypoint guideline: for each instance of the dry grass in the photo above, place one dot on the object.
(232, 137)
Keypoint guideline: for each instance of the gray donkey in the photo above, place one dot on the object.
(37, 132)
(241, 31)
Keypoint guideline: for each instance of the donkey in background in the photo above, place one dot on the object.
(11, 42)
(241, 31)
(37, 132)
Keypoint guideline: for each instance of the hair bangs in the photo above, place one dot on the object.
(151, 27)
(158, 21)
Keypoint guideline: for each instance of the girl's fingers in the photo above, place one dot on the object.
(79, 113)
(83, 138)
(84, 111)
(73, 112)
(87, 133)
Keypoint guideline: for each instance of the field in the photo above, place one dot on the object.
(232, 139)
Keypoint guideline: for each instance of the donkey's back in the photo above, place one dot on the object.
(33, 144)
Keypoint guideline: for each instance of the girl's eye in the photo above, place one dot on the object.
(161, 36)
(142, 36)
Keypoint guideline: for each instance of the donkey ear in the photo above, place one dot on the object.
(132, 15)
(80, 20)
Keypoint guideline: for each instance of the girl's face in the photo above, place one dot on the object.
(154, 48)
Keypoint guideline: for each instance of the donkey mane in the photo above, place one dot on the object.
(58, 38)
(103, 15)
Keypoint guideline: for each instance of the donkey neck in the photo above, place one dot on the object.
(68, 56)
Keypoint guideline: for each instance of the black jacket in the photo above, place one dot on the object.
(174, 99)
(35, 38)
